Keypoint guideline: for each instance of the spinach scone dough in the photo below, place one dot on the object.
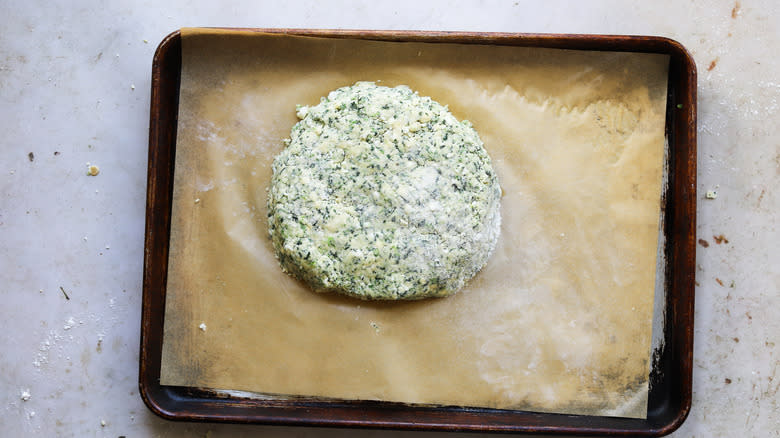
(383, 194)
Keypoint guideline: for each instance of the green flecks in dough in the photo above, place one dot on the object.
(392, 196)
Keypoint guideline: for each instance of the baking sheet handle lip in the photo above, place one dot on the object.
(161, 141)
(173, 404)
(670, 395)
(683, 261)
(597, 42)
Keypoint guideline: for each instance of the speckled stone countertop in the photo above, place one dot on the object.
(74, 89)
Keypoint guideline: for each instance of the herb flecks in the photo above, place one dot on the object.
(382, 193)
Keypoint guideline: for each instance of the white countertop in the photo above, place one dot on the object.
(74, 88)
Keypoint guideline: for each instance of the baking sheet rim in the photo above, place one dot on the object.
(672, 46)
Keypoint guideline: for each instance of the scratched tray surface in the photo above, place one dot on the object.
(669, 397)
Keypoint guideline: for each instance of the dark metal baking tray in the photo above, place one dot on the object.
(670, 378)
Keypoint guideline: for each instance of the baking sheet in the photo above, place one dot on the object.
(561, 318)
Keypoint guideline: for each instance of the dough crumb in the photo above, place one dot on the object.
(25, 395)
(197, 200)
(93, 170)
(202, 326)
(102, 423)
(711, 194)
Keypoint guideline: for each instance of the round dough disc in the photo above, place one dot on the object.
(383, 194)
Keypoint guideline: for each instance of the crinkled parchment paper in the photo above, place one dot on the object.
(560, 320)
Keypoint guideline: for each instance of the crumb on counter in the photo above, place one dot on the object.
(92, 170)
(69, 324)
(720, 239)
(711, 194)
(25, 395)
(202, 326)
(735, 11)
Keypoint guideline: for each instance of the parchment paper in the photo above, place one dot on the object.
(560, 320)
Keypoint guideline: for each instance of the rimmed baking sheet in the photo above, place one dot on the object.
(559, 321)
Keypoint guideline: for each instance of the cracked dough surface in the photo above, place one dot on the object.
(381, 193)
